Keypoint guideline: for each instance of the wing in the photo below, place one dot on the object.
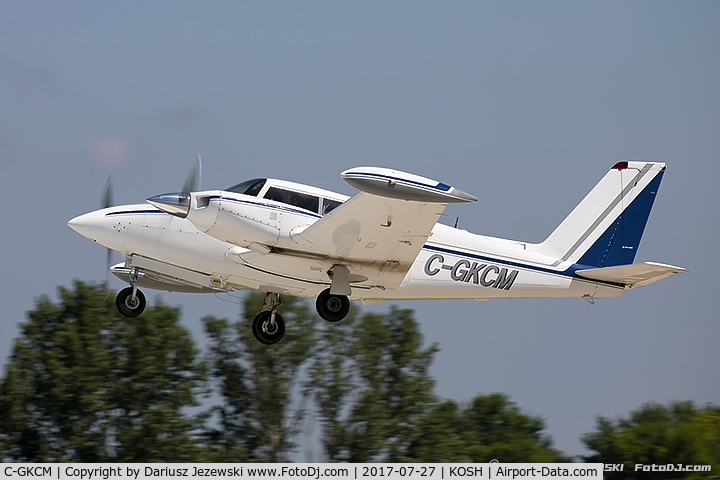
(378, 233)
(631, 276)
(373, 235)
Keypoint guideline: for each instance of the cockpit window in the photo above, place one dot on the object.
(302, 200)
(329, 205)
(248, 187)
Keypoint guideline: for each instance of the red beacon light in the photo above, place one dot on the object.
(620, 166)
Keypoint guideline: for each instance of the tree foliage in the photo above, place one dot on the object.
(86, 384)
(89, 385)
(677, 433)
(371, 382)
(375, 398)
(331, 381)
(393, 386)
(256, 420)
(489, 427)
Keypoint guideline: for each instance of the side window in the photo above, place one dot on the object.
(329, 205)
(302, 200)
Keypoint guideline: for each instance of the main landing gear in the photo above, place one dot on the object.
(268, 327)
(332, 308)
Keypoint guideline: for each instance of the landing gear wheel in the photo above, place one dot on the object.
(332, 308)
(127, 304)
(265, 330)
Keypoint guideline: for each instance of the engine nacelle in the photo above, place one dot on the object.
(230, 218)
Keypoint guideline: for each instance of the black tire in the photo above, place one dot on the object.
(128, 306)
(332, 308)
(262, 328)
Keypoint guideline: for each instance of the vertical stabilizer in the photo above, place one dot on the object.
(604, 230)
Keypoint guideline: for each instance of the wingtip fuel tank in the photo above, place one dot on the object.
(406, 186)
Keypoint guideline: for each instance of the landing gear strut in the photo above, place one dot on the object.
(332, 308)
(268, 327)
(130, 301)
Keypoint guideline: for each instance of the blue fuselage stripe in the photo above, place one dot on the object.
(131, 212)
(216, 197)
(569, 272)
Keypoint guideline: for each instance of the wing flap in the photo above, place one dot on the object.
(631, 276)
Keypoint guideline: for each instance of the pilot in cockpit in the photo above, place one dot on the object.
(291, 199)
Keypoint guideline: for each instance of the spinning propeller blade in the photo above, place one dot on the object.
(106, 201)
(194, 179)
(107, 195)
(178, 204)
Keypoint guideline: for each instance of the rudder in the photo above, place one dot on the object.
(605, 229)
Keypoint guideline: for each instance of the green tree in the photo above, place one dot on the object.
(330, 382)
(496, 428)
(86, 384)
(372, 384)
(256, 419)
(677, 433)
(375, 400)
(89, 385)
(441, 439)
(490, 427)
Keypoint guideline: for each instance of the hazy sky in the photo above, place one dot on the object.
(526, 105)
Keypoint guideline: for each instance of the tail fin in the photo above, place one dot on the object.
(604, 230)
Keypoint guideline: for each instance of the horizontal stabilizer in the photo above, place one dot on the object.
(631, 276)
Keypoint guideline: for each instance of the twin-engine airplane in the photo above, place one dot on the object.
(384, 243)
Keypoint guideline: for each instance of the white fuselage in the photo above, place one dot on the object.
(452, 264)
(384, 243)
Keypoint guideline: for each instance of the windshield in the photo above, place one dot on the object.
(248, 187)
(329, 205)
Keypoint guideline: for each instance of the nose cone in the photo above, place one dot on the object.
(106, 227)
(90, 225)
(177, 204)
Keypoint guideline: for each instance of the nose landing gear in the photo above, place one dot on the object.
(130, 301)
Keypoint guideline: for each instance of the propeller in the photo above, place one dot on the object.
(194, 179)
(178, 204)
(175, 203)
(107, 195)
(106, 201)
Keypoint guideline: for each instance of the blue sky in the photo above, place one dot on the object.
(523, 104)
